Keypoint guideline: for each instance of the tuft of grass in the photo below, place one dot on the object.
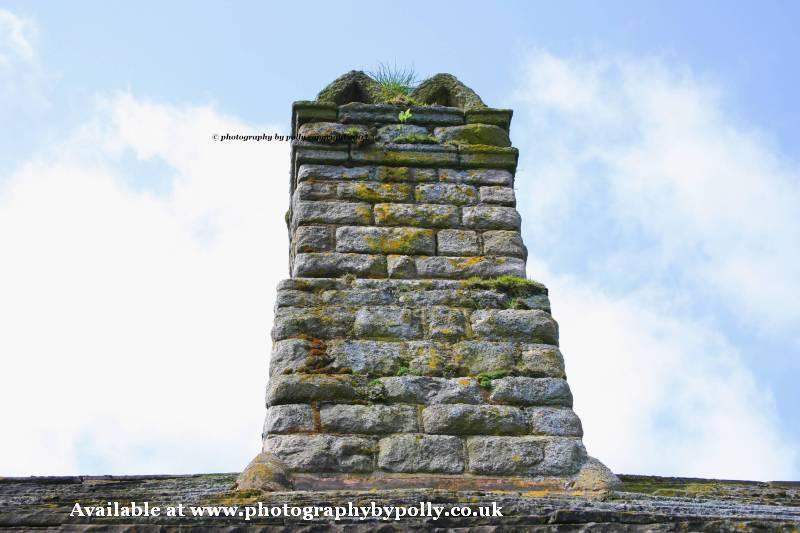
(394, 81)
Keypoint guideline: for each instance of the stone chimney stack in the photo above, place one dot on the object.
(409, 348)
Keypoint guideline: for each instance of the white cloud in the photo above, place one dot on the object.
(15, 39)
(136, 325)
(666, 211)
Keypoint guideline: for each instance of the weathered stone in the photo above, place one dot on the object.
(475, 357)
(477, 176)
(531, 391)
(498, 195)
(437, 454)
(291, 418)
(457, 242)
(530, 325)
(401, 267)
(376, 418)
(411, 155)
(328, 172)
(374, 192)
(405, 174)
(473, 134)
(562, 456)
(353, 85)
(536, 301)
(366, 357)
(264, 473)
(303, 388)
(481, 156)
(332, 132)
(370, 239)
(557, 421)
(468, 419)
(323, 265)
(491, 217)
(323, 323)
(431, 390)
(316, 190)
(288, 355)
(306, 212)
(505, 455)
(388, 134)
(446, 323)
(420, 215)
(323, 453)
(541, 360)
(310, 111)
(291, 298)
(356, 297)
(428, 358)
(446, 193)
(457, 390)
(453, 297)
(313, 239)
(508, 243)
(496, 117)
(447, 90)
(313, 153)
(467, 267)
(388, 322)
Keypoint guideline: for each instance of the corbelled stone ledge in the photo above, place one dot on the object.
(643, 503)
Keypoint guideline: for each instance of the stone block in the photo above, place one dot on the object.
(288, 355)
(291, 298)
(541, 360)
(485, 134)
(435, 454)
(321, 322)
(375, 418)
(315, 190)
(507, 243)
(332, 133)
(493, 194)
(446, 193)
(307, 212)
(400, 174)
(457, 242)
(329, 172)
(431, 390)
(375, 240)
(408, 155)
(388, 322)
(477, 176)
(503, 456)
(306, 152)
(496, 117)
(531, 391)
(467, 267)
(312, 239)
(323, 453)
(374, 192)
(388, 133)
(529, 325)
(491, 217)
(401, 267)
(536, 301)
(366, 357)
(333, 265)
(468, 419)
(311, 111)
(428, 358)
(562, 457)
(475, 357)
(304, 388)
(446, 323)
(475, 156)
(419, 215)
(290, 418)
(554, 421)
(355, 297)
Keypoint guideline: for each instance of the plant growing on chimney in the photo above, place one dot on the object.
(404, 115)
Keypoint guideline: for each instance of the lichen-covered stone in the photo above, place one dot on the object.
(467, 267)
(557, 421)
(291, 298)
(316, 190)
(319, 154)
(504, 455)
(457, 242)
(390, 132)
(436, 454)
(291, 418)
(493, 194)
(304, 388)
(431, 390)
(420, 215)
(483, 156)
(531, 391)
(353, 86)
(323, 323)
(288, 355)
(446, 323)
(375, 240)
(475, 357)
(401, 267)
(473, 134)
(365, 356)
(428, 358)
(376, 418)
(388, 322)
(355, 297)
(496, 117)
(308, 212)
(536, 301)
(374, 192)
(507, 243)
(323, 453)
(563, 456)
(491, 217)
(477, 176)
(529, 325)
(325, 265)
(412, 155)
(446, 193)
(447, 90)
(313, 239)
(541, 360)
(468, 419)
(328, 172)
(401, 174)
(331, 132)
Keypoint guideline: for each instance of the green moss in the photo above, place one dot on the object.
(485, 378)
(512, 285)
(402, 371)
(415, 138)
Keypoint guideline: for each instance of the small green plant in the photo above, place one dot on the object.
(415, 138)
(394, 81)
(403, 116)
(402, 371)
(485, 378)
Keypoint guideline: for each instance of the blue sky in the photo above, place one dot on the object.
(658, 185)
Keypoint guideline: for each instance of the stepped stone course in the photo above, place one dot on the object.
(408, 343)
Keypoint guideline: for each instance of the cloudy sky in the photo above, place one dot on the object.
(659, 184)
